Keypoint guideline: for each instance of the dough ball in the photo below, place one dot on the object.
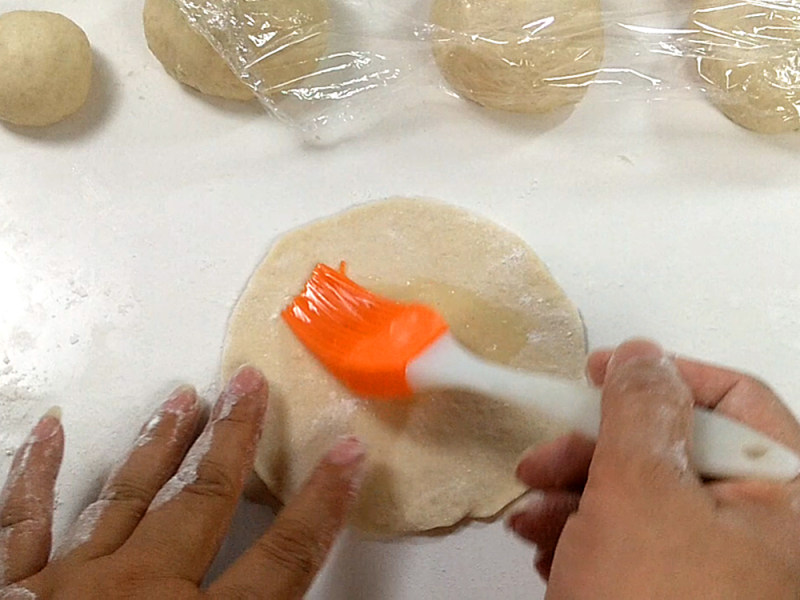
(186, 55)
(529, 56)
(750, 62)
(281, 40)
(437, 458)
(45, 68)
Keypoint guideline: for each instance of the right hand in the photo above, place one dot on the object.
(629, 519)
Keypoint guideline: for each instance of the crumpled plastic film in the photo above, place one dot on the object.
(320, 63)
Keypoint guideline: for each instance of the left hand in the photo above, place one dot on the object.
(162, 514)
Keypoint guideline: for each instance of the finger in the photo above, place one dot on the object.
(709, 384)
(285, 560)
(26, 502)
(752, 493)
(743, 398)
(596, 365)
(543, 518)
(562, 463)
(541, 522)
(106, 523)
(544, 562)
(737, 395)
(189, 516)
(646, 422)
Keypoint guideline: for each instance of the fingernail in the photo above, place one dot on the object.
(247, 380)
(182, 400)
(635, 351)
(47, 426)
(346, 452)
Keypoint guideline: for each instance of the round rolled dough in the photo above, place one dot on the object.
(751, 62)
(529, 56)
(45, 68)
(437, 458)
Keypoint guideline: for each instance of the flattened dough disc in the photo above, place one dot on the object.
(437, 458)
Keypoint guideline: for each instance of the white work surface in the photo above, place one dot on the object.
(128, 232)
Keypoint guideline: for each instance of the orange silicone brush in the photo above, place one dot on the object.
(384, 349)
(363, 339)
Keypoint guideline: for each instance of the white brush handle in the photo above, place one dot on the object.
(721, 447)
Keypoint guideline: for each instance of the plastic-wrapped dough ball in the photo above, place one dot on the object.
(279, 41)
(530, 56)
(186, 55)
(45, 68)
(750, 61)
(282, 40)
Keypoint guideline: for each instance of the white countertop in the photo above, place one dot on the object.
(127, 233)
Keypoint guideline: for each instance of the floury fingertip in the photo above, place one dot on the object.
(47, 426)
(635, 350)
(247, 380)
(182, 400)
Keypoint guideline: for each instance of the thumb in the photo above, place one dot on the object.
(646, 424)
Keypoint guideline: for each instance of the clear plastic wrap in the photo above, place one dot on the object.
(326, 64)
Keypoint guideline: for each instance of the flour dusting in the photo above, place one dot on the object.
(212, 390)
(148, 431)
(17, 592)
(525, 300)
(83, 529)
(227, 402)
(145, 437)
(17, 471)
(187, 474)
(514, 257)
(337, 413)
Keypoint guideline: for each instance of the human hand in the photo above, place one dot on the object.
(630, 519)
(162, 514)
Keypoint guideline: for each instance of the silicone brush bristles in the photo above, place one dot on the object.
(365, 340)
